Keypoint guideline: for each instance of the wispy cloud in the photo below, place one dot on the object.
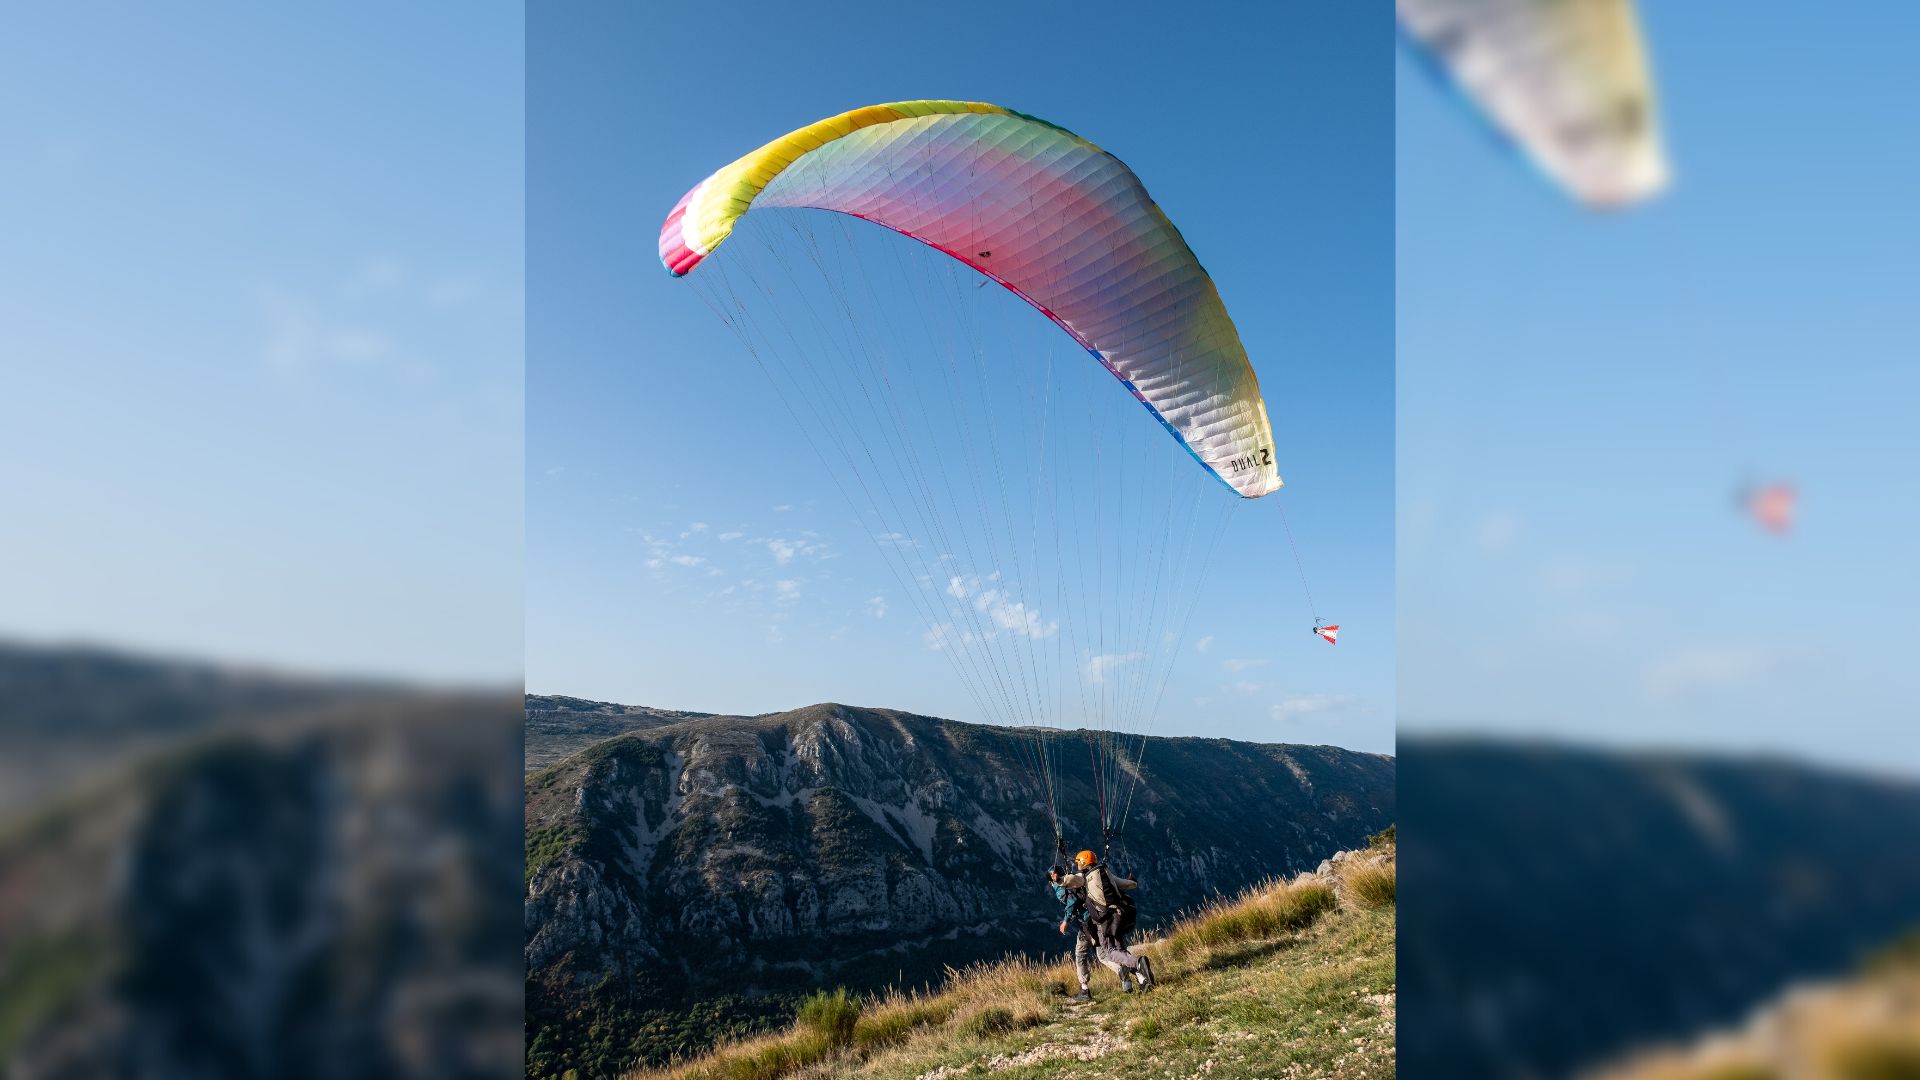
(303, 337)
(1304, 705)
(1205, 644)
(787, 591)
(1098, 666)
(787, 549)
(351, 324)
(945, 635)
(1571, 575)
(877, 606)
(998, 604)
(1687, 672)
(1242, 665)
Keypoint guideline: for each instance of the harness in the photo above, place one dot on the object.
(1118, 915)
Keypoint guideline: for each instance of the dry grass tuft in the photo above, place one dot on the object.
(1370, 885)
(1270, 911)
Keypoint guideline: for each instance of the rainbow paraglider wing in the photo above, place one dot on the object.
(1049, 215)
(1567, 81)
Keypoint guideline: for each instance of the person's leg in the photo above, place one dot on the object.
(1113, 952)
(1143, 967)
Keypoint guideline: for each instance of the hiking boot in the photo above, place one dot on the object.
(1126, 985)
(1146, 974)
(1082, 997)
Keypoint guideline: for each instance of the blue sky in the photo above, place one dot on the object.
(1580, 395)
(262, 310)
(1268, 142)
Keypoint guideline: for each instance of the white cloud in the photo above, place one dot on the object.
(302, 338)
(729, 537)
(788, 590)
(1302, 705)
(1098, 666)
(785, 551)
(877, 606)
(942, 635)
(1242, 665)
(688, 560)
(783, 508)
(380, 274)
(1023, 620)
(1006, 612)
(1203, 644)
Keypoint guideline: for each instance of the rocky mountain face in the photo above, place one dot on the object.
(746, 859)
(1568, 905)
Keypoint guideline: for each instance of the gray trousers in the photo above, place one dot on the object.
(1083, 959)
(1112, 948)
(1113, 955)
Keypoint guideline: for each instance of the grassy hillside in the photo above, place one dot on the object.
(1290, 979)
(1864, 1028)
(693, 882)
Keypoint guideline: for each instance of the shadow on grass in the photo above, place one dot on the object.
(1241, 955)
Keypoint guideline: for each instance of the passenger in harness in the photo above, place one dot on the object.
(1073, 919)
(1110, 917)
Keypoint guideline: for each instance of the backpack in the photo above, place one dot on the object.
(1120, 915)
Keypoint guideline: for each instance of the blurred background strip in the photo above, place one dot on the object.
(1658, 760)
(260, 611)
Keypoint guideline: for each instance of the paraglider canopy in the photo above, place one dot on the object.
(1330, 633)
(1055, 219)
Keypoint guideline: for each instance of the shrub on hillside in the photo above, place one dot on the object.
(831, 1015)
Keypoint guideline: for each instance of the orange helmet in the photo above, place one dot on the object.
(1085, 858)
